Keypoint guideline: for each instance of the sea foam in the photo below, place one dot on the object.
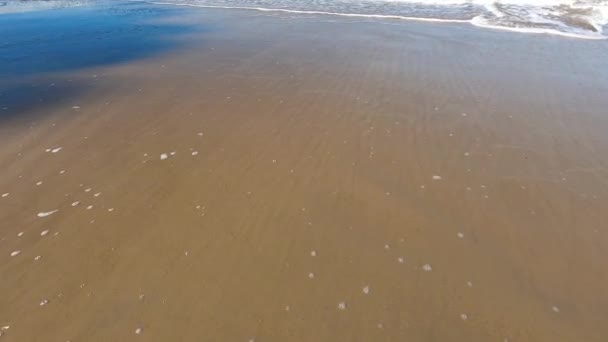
(571, 18)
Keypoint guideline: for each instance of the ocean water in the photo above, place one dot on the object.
(12, 6)
(572, 18)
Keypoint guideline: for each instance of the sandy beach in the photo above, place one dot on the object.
(179, 174)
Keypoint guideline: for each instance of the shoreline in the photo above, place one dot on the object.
(475, 21)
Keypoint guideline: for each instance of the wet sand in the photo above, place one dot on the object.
(229, 175)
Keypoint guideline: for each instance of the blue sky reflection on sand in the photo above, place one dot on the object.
(40, 49)
(51, 41)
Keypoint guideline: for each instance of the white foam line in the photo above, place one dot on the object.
(475, 21)
(479, 22)
(354, 15)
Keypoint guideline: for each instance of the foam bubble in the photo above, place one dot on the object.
(48, 213)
